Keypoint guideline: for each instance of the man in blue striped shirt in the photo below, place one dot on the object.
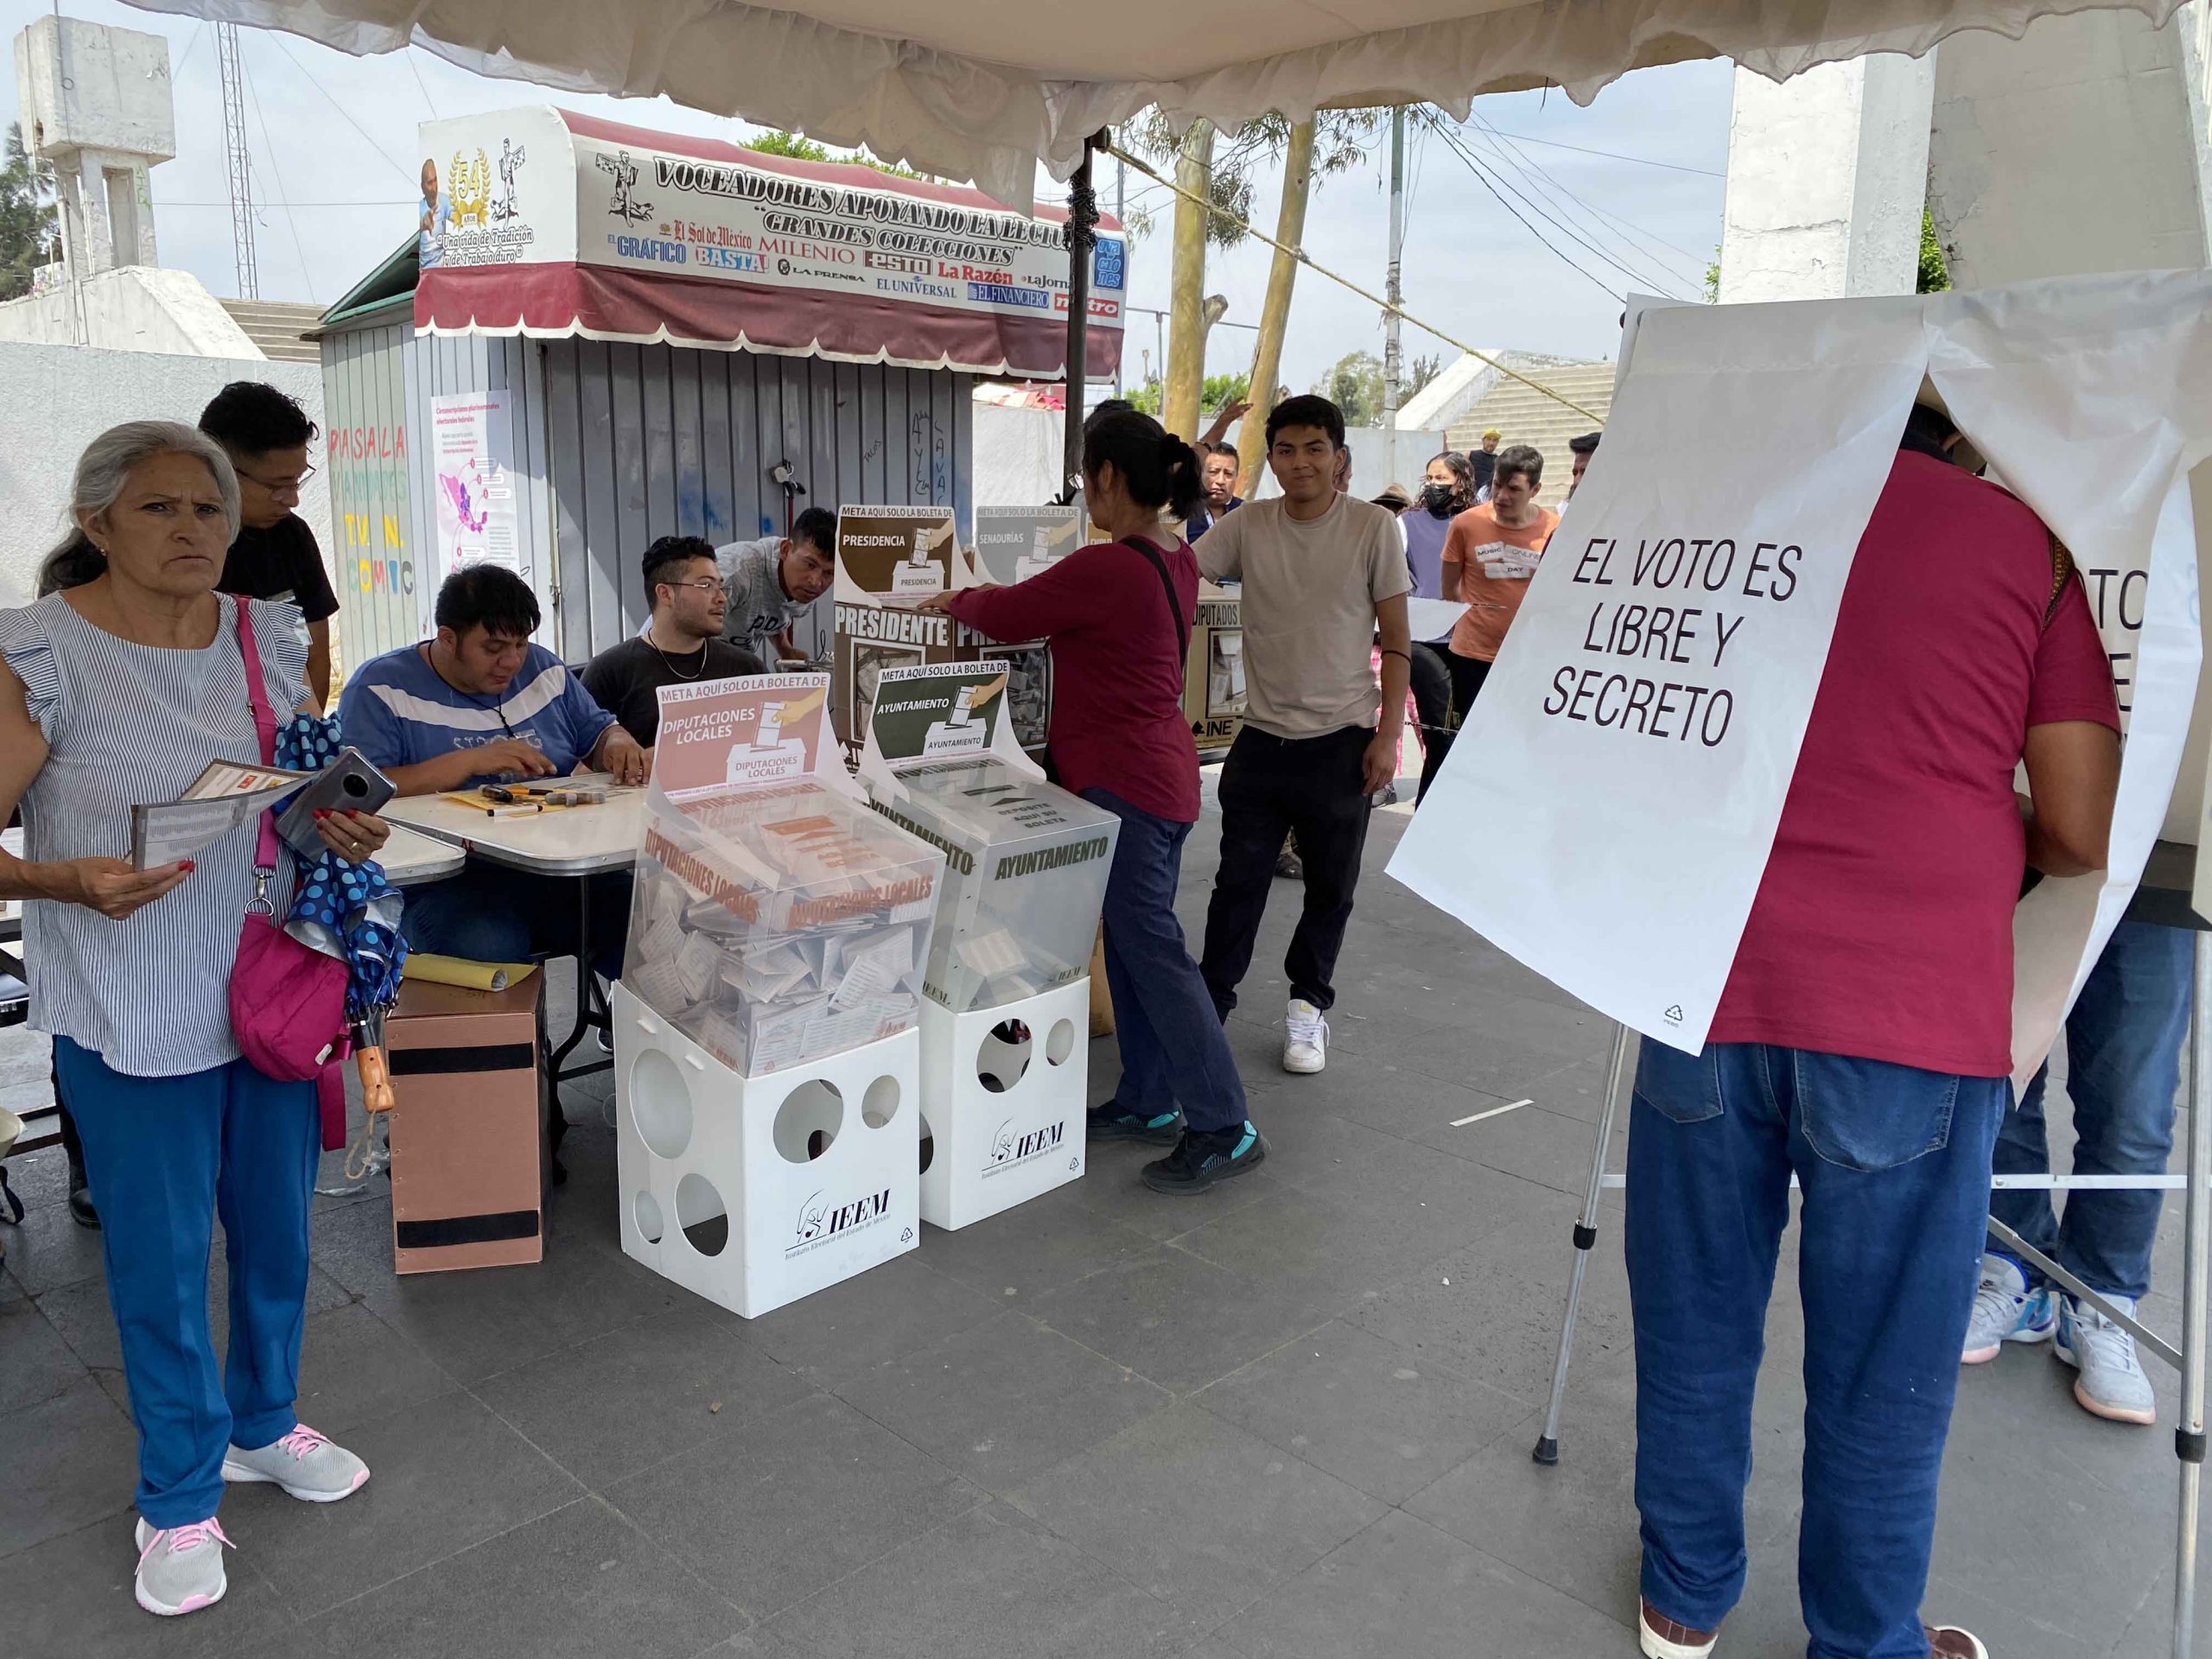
(480, 704)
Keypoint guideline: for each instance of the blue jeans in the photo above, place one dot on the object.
(492, 912)
(1174, 1048)
(166, 1155)
(1894, 1164)
(2123, 1052)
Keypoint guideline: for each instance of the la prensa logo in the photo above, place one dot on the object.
(1009, 1148)
(820, 1221)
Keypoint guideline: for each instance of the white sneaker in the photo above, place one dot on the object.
(181, 1568)
(2006, 1309)
(2111, 1384)
(307, 1465)
(1305, 1047)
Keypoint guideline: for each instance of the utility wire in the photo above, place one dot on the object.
(292, 219)
(409, 54)
(1614, 154)
(1606, 223)
(277, 41)
(1303, 258)
(1532, 199)
(189, 47)
(1482, 177)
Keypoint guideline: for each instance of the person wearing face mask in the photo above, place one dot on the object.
(1448, 491)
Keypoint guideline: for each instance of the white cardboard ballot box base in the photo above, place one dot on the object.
(755, 1192)
(1003, 1121)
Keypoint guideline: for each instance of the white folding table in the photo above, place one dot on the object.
(577, 842)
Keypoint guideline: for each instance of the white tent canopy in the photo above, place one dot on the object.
(966, 90)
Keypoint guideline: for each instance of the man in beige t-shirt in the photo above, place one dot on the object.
(1323, 576)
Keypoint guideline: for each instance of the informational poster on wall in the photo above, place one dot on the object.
(720, 734)
(470, 437)
(1636, 738)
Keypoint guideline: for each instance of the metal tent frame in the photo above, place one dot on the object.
(2163, 898)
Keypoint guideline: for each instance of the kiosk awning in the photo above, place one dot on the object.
(547, 223)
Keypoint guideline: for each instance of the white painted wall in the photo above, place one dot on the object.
(1825, 177)
(2069, 150)
(132, 308)
(59, 397)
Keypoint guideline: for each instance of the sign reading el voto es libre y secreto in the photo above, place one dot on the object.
(1636, 738)
(524, 187)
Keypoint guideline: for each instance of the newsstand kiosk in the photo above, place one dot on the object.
(1006, 1003)
(766, 1060)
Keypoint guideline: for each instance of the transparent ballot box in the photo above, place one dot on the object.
(1026, 868)
(778, 925)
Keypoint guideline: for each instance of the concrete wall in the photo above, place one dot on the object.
(1826, 172)
(2069, 150)
(59, 397)
(133, 308)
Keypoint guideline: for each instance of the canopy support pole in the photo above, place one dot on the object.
(1083, 222)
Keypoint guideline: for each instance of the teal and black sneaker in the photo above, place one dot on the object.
(1202, 1158)
(1110, 1122)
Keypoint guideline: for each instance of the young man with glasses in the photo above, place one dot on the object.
(266, 436)
(681, 642)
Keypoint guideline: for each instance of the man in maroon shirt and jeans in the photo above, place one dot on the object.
(1864, 1043)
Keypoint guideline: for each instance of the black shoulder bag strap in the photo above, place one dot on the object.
(1167, 583)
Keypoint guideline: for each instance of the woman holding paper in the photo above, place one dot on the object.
(1117, 615)
(119, 690)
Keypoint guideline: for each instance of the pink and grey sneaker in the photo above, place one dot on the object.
(181, 1568)
(308, 1466)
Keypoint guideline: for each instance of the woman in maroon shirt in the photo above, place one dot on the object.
(1117, 615)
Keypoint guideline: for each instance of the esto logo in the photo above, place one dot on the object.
(1010, 1148)
(819, 1221)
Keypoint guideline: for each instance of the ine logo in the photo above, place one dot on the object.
(622, 205)
(1675, 1014)
(1010, 1148)
(819, 1221)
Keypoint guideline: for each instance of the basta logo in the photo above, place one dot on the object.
(1008, 1148)
(820, 1222)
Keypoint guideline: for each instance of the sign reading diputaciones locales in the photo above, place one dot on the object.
(1607, 812)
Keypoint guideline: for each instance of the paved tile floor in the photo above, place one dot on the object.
(1289, 1420)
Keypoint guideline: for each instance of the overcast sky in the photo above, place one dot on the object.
(334, 158)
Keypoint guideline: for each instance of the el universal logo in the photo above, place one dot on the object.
(1008, 1148)
(819, 1223)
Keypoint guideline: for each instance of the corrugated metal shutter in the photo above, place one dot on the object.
(650, 440)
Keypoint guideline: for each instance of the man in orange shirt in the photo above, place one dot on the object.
(1490, 553)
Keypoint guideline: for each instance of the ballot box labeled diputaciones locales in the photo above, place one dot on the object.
(779, 925)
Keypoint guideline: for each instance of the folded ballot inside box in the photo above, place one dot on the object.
(1026, 868)
(779, 924)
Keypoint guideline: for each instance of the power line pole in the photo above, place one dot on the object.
(1393, 361)
(239, 163)
(1121, 188)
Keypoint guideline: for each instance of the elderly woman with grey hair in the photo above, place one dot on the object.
(118, 688)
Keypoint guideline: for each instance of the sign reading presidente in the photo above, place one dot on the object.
(1636, 740)
(740, 228)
